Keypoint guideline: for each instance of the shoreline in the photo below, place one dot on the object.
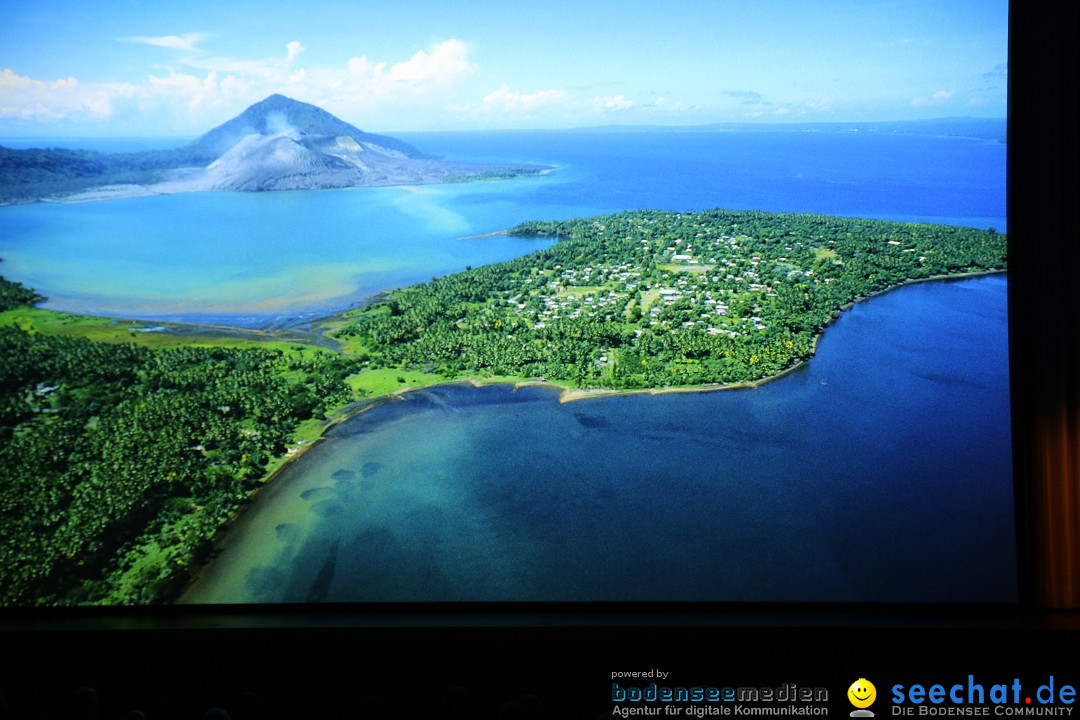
(497, 233)
(576, 394)
(187, 181)
(569, 394)
(915, 281)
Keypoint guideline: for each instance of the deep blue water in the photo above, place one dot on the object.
(878, 472)
(916, 178)
(255, 258)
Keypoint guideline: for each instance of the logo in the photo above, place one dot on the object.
(975, 698)
(862, 694)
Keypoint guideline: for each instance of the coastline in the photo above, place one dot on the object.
(576, 394)
(932, 278)
(497, 233)
(569, 394)
(187, 180)
(566, 395)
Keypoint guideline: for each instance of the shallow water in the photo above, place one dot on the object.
(244, 258)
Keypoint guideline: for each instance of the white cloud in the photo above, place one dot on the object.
(980, 100)
(273, 69)
(199, 90)
(293, 49)
(24, 98)
(506, 100)
(446, 60)
(612, 104)
(197, 95)
(360, 85)
(8, 79)
(186, 41)
(941, 96)
(358, 81)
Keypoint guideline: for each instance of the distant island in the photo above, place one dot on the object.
(125, 448)
(276, 144)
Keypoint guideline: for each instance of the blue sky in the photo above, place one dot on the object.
(149, 68)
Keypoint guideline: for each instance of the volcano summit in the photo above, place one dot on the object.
(276, 144)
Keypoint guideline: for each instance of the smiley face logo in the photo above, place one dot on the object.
(862, 693)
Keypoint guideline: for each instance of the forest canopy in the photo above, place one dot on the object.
(654, 299)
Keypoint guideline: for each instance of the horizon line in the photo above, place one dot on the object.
(576, 128)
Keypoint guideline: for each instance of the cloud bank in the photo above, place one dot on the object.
(198, 88)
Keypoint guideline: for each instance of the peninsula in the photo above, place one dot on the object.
(651, 299)
(276, 144)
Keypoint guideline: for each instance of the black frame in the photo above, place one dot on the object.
(560, 653)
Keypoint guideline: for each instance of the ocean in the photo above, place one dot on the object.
(878, 472)
(272, 258)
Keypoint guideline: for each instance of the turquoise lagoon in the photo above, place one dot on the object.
(273, 258)
(247, 258)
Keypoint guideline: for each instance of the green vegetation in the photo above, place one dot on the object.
(119, 462)
(14, 295)
(123, 452)
(103, 329)
(655, 299)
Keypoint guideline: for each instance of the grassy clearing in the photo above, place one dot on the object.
(49, 322)
(648, 299)
(110, 330)
(584, 290)
(515, 379)
(353, 346)
(686, 267)
(383, 381)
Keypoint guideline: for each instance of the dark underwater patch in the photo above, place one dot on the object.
(591, 421)
(316, 492)
(286, 532)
